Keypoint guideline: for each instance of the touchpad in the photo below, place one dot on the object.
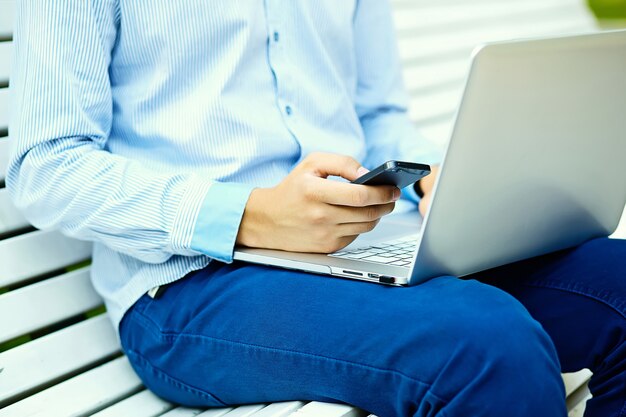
(391, 227)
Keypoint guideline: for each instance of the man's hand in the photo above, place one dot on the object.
(308, 213)
(426, 184)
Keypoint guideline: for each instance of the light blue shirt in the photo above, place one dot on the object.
(143, 126)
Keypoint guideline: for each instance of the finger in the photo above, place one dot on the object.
(428, 182)
(355, 229)
(337, 244)
(343, 242)
(327, 164)
(344, 214)
(353, 195)
(424, 204)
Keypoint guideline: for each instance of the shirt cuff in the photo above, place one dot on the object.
(218, 221)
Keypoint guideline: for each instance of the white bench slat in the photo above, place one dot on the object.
(183, 412)
(38, 252)
(81, 395)
(219, 412)
(434, 105)
(280, 409)
(460, 16)
(316, 409)
(576, 404)
(575, 380)
(408, 4)
(4, 108)
(142, 404)
(426, 46)
(283, 409)
(4, 156)
(6, 58)
(620, 233)
(425, 124)
(438, 132)
(47, 302)
(191, 412)
(433, 75)
(10, 217)
(400, 5)
(7, 16)
(241, 411)
(52, 356)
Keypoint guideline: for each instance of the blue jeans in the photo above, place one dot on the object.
(486, 346)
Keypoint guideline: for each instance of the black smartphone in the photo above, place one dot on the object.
(400, 174)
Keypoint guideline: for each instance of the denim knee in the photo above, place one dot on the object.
(503, 362)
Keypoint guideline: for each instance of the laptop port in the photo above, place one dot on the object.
(358, 274)
(373, 275)
(385, 279)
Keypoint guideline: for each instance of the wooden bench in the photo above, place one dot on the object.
(58, 352)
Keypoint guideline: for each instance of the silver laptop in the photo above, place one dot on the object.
(536, 163)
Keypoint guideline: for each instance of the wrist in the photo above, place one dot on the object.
(251, 228)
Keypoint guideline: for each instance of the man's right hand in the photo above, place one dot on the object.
(308, 213)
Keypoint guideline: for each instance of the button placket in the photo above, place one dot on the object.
(278, 63)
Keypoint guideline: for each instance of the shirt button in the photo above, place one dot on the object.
(276, 36)
(288, 110)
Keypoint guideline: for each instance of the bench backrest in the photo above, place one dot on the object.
(55, 342)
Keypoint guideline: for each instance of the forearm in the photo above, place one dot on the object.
(88, 193)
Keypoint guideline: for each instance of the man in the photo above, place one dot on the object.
(167, 132)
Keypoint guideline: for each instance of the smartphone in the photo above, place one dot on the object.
(400, 174)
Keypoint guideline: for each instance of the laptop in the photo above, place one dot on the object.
(536, 163)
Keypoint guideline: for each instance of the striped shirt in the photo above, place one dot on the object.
(144, 126)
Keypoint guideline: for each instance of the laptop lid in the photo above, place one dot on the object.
(537, 158)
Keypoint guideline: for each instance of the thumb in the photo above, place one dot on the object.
(327, 164)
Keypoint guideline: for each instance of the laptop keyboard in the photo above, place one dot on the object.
(397, 252)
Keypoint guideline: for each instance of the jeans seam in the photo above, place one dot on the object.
(175, 381)
(577, 289)
(172, 336)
